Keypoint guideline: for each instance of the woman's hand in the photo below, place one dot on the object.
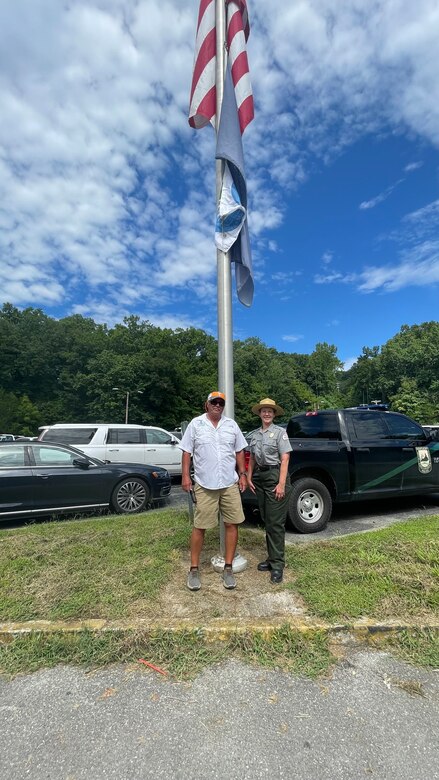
(251, 485)
(279, 492)
(242, 482)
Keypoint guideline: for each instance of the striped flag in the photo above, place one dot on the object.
(203, 92)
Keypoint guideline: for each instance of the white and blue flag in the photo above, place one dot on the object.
(231, 213)
(234, 194)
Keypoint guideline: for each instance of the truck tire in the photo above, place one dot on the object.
(309, 506)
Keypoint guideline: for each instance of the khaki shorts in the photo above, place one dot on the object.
(210, 502)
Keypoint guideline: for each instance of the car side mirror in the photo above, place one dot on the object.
(81, 463)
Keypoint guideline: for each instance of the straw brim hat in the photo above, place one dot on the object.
(267, 402)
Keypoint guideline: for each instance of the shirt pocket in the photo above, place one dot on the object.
(270, 447)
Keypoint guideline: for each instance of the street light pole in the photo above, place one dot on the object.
(127, 400)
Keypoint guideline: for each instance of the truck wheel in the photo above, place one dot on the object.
(309, 506)
(130, 496)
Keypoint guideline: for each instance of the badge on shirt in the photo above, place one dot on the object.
(271, 435)
(285, 436)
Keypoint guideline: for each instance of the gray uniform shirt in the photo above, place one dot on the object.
(268, 446)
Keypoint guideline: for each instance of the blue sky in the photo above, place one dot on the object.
(107, 195)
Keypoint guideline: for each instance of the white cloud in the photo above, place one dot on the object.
(414, 166)
(106, 193)
(419, 268)
(292, 338)
(333, 324)
(370, 204)
(419, 257)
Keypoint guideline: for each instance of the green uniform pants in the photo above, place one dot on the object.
(273, 513)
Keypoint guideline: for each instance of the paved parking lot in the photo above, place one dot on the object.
(346, 518)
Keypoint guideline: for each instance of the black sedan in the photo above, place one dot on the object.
(40, 479)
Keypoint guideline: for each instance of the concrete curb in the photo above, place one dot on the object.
(364, 630)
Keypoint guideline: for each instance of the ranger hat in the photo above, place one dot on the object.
(270, 403)
(216, 394)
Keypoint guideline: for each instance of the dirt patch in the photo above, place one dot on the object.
(254, 596)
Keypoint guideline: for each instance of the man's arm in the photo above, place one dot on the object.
(240, 462)
(186, 482)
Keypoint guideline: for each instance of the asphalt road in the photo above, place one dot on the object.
(372, 718)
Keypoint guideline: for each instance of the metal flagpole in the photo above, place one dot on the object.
(224, 276)
(224, 273)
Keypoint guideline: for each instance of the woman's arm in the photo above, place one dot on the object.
(280, 487)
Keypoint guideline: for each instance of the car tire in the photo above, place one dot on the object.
(309, 505)
(130, 496)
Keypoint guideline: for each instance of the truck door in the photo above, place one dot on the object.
(376, 456)
(419, 460)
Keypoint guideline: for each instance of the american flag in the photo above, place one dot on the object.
(203, 93)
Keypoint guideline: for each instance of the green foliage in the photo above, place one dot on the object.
(362, 383)
(18, 415)
(412, 402)
(65, 371)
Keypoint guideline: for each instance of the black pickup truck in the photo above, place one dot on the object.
(341, 455)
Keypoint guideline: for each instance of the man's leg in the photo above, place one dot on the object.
(233, 515)
(197, 541)
(230, 541)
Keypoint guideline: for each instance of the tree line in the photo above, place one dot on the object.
(66, 371)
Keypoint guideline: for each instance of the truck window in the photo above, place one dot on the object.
(403, 428)
(314, 426)
(369, 425)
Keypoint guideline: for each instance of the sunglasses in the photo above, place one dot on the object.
(217, 402)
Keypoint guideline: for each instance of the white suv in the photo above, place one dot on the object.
(122, 443)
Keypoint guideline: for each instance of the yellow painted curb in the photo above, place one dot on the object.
(364, 630)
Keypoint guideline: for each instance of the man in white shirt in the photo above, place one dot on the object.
(216, 445)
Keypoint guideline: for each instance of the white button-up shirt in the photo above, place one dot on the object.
(213, 450)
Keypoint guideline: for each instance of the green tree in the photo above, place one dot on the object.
(363, 382)
(411, 401)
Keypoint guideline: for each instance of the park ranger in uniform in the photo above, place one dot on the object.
(268, 477)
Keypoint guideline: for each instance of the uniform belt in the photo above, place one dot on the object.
(267, 468)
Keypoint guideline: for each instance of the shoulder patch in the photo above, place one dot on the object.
(285, 436)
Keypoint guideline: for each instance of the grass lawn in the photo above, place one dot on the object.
(389, 573)
(112, 566)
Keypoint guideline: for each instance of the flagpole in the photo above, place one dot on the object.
(223, 265)
(224, 272)
(224, 279)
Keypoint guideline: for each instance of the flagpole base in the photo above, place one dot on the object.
(239, 563)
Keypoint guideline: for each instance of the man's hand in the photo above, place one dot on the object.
(186, 484)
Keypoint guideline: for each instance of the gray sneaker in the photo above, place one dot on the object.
(193, 580)
(229, 581)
